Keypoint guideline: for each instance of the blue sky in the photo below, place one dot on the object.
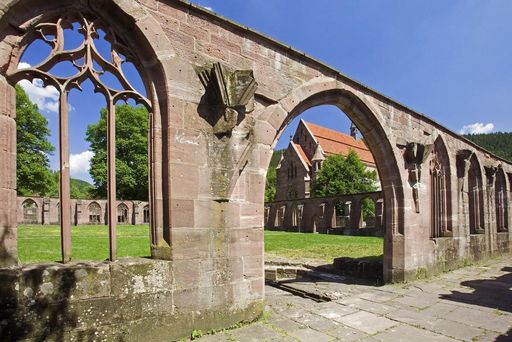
(451, 60)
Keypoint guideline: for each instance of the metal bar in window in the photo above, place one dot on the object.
(65, 192)
(111, 196)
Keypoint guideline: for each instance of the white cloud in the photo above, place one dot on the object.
(46, 98)
(80, 164)
(477, 128)
(209, 8)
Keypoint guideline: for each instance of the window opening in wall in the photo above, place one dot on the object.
(94, 213)
(30, 212)
(78, 81)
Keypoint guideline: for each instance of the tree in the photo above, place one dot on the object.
(33, 174)
(271, 181)
(131, 152)
(342, 175)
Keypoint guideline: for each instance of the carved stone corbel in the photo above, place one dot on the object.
(490, 173)
(415, 154)
(463, 163)
(229, 95)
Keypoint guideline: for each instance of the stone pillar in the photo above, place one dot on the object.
(46, 211)
(8, 201)
(379, 212)
(355, 214)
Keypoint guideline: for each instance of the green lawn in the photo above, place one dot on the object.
(37, 243)
(321, 246)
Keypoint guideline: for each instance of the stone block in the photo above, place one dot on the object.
(193, 299)
(264, 133)
(277, 117)
(138, 276)
(8, 208)
(190, 243)
(184, 181)
(54, 283)
(187, 273)
(246, 242)
(182, 213)
(7, 98)
(253, 266)
(213, 214)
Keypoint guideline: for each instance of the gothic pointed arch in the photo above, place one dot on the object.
(132, 38)
(440, 190)
(475, 197)
(501, 201)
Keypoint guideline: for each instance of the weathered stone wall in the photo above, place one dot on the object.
(47, 211)
(208, 163)
(129, 300)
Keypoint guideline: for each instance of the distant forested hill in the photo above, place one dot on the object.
(499, 143)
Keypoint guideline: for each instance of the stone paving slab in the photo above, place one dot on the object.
(471, 304)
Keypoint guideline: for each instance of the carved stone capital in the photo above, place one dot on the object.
(229, 95)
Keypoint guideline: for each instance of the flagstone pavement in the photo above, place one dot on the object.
(469, 304)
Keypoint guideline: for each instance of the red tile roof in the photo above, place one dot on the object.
(302, 154)
(334, 142)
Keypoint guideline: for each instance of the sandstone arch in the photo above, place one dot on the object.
(368, 121)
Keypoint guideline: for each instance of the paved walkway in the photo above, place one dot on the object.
(469, 304)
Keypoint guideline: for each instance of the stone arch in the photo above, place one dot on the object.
(140, 33)
(30, 211)
(122, 213)
(146, 214)
(501, 201)
(94, 210)
(324, 91)
(476, 197)
(440, 190)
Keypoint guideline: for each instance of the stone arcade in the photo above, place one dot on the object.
(445, 199)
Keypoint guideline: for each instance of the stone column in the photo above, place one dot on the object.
(8, 201)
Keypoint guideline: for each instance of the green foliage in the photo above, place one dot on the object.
(196, 333)
(33, 175)
(131, 152)
(499, 143)
(80, 189)
(368, 208)
(342, 175)
(271, 182)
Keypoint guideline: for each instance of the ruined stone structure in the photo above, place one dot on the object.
(219, 96)
(319, 215)
(307, 150)
(39, 210)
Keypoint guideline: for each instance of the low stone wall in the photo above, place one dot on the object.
(318, 215)
(129, 300)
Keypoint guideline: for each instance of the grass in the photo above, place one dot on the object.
(37, 243)
(321, 246)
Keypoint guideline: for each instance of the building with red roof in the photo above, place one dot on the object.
(308, 148)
